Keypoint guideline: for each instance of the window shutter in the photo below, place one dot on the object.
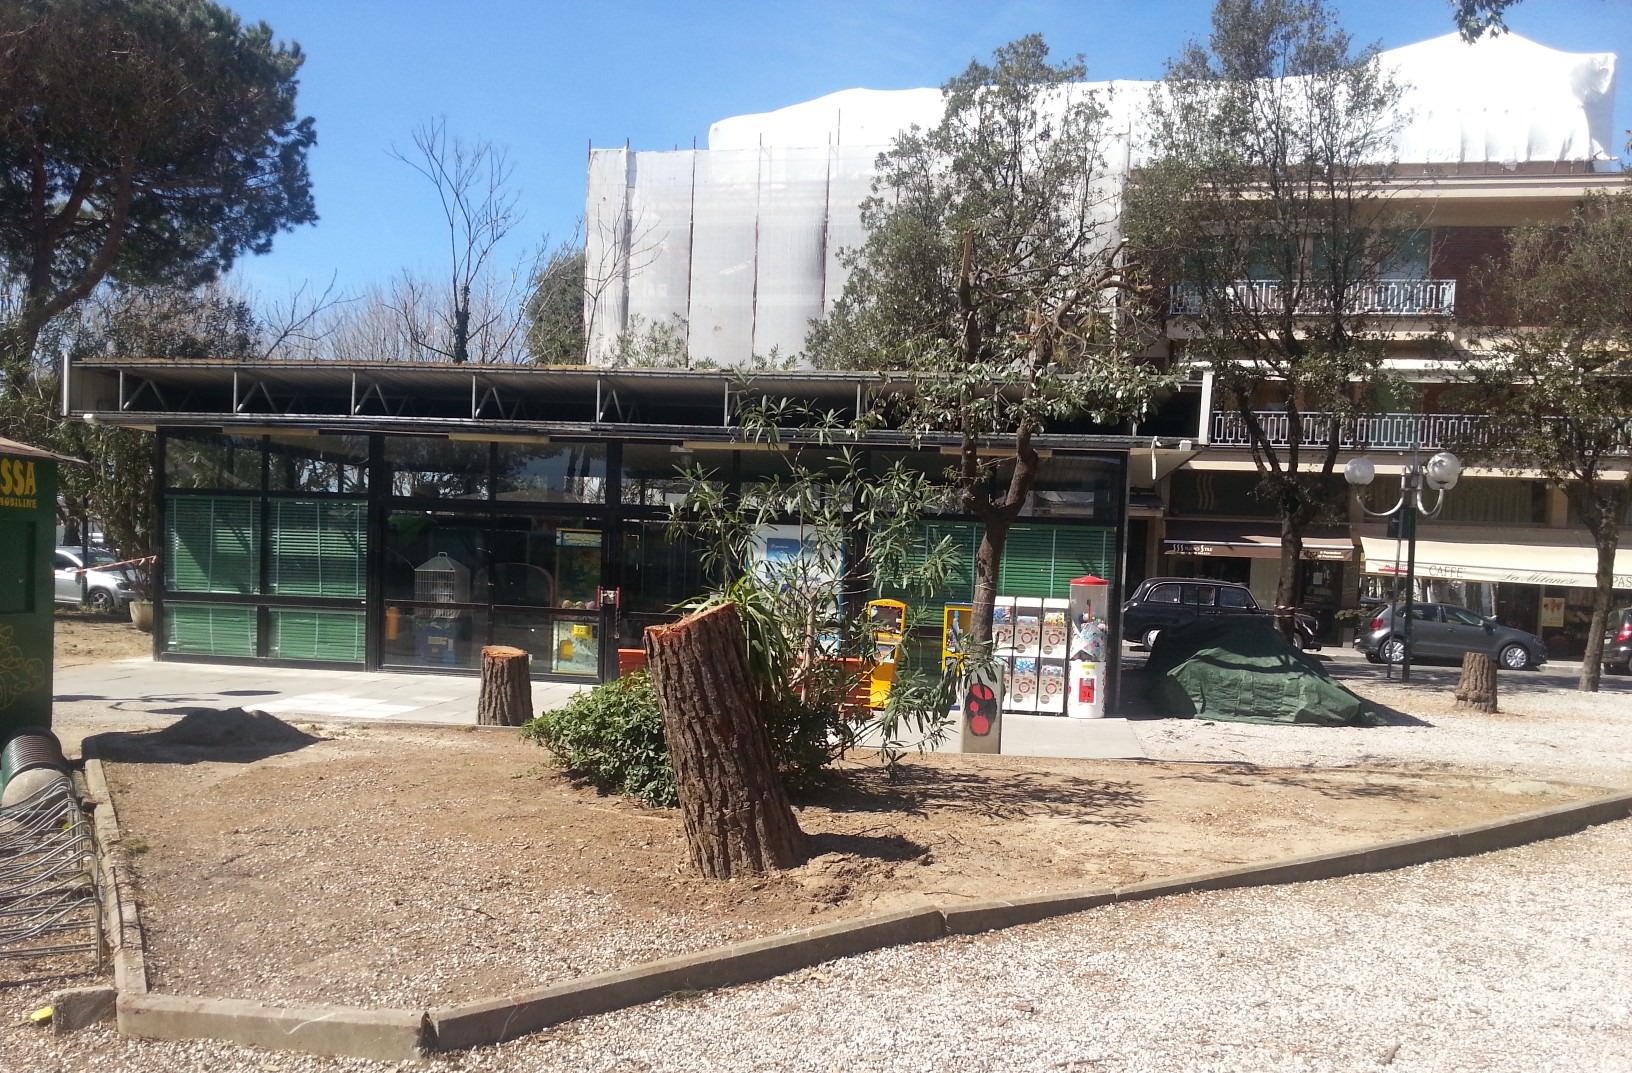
(210, 629)
(212, 545)
(319, 548)
(329, 636)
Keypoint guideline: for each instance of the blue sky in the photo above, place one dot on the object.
(547, 79)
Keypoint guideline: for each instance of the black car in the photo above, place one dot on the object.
(1160, 603)
(1617, 655)
(1446, 631)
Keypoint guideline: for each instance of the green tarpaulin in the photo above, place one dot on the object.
(1245, 671)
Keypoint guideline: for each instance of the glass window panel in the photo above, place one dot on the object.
(210, 629)
(557, 645)
(660, 570)
(440, 638)
(212, 544)
(652, 474)
(212, 461)
(319, 547)
(413, 540)
(317, 463)
(324, 636)
(543, 562)
(437, 468)
(552, 473)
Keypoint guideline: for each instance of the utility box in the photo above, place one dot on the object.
(28, 507)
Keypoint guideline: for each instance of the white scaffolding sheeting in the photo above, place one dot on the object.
(738, 246)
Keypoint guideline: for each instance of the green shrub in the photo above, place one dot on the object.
(612, 736)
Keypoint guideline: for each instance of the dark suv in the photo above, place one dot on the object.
(1163, 602)
(1617, 654)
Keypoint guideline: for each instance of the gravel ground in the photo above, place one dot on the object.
(1519, 960)
(1539, 733)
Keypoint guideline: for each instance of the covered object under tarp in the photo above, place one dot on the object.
(1247, 672)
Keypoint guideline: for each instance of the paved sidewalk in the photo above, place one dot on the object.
(147, 687)
(144, 688)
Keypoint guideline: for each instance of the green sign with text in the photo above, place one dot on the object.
(28, 497)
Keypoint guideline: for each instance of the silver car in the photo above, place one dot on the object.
(1445, 631)
(82, 579)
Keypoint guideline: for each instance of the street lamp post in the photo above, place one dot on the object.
(1440, 474)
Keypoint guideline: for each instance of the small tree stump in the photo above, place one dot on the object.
(734, 809)
(1477, 689)
(506, 699)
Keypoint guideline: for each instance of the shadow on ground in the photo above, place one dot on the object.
(999, 795)
(203, 735)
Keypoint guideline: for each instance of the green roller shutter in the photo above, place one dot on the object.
(212, 544)
(209, 629)
(330, 636)
(318, 548)
(1038, 560)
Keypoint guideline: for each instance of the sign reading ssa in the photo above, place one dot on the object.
(18, 484)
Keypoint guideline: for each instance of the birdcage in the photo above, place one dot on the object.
(441, 580)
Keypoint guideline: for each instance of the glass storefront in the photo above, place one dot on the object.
(415, 552)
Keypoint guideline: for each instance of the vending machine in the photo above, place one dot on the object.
(1051, 656)
(1087, 645)
(887, 621)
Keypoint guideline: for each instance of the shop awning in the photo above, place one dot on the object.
(1247, 540)
(1558, 561)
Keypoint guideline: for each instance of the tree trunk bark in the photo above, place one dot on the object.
(1477, 689)
(735, 812)
(506, 699)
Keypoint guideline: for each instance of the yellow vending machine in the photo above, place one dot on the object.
(955, 622)
(887, 620)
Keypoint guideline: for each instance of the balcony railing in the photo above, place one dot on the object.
(1381, 297)
(1385, 432)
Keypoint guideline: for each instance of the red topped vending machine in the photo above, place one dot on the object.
(1088, 648)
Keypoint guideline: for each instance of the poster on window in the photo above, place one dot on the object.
(1552, 611)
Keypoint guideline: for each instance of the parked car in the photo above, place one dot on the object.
(1617, 655)
(103, 590)
(1446, 631)
(1160, 603)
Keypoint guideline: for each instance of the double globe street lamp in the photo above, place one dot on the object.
(1439, 475)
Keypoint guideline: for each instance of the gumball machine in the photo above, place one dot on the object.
(1087, 648)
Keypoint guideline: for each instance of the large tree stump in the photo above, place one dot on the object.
(1477, 689)
(735, 811)
(506, 699)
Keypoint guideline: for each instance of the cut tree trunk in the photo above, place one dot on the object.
(736, 814)
(506, 699)
(1477, 689)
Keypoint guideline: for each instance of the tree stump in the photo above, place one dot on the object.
(506, 699)
(734, 809)
(1477, 689)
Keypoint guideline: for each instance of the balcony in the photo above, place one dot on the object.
(1383, 432)
(1379, 298)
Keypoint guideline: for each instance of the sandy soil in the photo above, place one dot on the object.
(82, 637)
(393, 865)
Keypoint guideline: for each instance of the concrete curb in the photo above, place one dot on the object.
(398, 1034)
(497, 1020)
(1379, 857)
(121, 920)
(382, 1035)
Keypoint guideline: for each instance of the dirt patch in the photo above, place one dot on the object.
(82, 637)
(392, 865)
